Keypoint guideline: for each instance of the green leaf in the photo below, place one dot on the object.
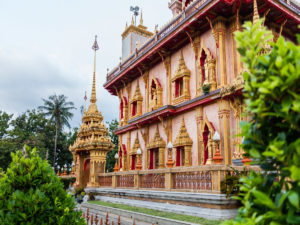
(263, 199)
(294, 199)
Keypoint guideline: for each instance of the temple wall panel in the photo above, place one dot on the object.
(208, 41)
(124, 139)
(233, 130)
(229, 57)
(143, 92)
(133, 86)
(211, 111)
(191, 126)
(159, 72)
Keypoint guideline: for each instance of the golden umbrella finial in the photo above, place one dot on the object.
(255, 12)
(95, 47)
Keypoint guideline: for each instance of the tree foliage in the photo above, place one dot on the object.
(35, 130)
(58, 109)
(110, 159)
(272, 137)
(31, 193)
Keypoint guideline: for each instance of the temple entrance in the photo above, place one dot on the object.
(154, 160)
(180, 156)
(205, 143)
(86, 172)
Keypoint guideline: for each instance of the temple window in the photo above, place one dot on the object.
(154, 160)
(202, 65)
(181, 82)
(120, 157)
(178, 87)
(133, 153)
(134, 106)
(206, 142)
(121, 110)
(180, 156)
(136, 102)
(155, 94)
(205, 134)
(156, 152)
(183, 144)
(133, 162)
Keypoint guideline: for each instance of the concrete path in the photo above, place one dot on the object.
(127, 217)
(207, 213)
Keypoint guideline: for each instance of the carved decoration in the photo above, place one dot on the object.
(183, 138)
(157, 141)
(210, 143)
(137, 99)
(135, 146)
(182, 72)
(237, 106)
(155, 94)
(124, 110)
(207, 69)
(237, 84)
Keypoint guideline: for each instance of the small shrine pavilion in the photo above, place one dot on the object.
(92, 143)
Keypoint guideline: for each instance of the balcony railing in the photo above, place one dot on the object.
(206, 178)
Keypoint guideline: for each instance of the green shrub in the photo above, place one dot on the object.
(272, 138)
(67, 181)
(230, 185)
(31, 193)
(92, 196)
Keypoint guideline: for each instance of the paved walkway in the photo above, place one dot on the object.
(213, 214)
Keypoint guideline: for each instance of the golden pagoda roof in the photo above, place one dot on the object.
(93, 134)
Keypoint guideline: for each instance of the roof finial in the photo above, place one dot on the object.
(132, 21)
(126, 26)
(85, 98)
(255, 12)
(95, 47)
(141, 18)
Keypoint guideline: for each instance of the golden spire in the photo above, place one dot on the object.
(95, 47)
(141, 19)
(255, 12)
(132, 21)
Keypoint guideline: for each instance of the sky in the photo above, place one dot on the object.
(45, 49)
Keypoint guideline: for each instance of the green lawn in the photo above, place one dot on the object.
(175, 216)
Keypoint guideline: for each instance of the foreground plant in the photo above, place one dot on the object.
(31, 193)
(272, 137)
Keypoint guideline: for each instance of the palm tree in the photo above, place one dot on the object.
(58, 109)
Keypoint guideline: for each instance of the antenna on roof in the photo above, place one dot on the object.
(135, 11)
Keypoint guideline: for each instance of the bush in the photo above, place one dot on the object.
(272, 138)
(92, 196)
(67, 181)
(31, 193)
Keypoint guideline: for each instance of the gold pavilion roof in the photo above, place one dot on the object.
(93, 134)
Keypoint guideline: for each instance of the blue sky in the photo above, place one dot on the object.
(45, 48)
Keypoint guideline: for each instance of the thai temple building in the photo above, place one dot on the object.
(180, 104)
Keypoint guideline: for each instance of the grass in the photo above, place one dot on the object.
(175, 216)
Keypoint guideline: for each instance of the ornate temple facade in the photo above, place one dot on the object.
(180, 88)
(180, 104)
(92, 143)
